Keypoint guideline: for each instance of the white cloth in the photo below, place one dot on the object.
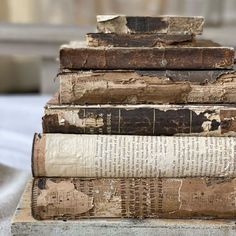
(20, 118)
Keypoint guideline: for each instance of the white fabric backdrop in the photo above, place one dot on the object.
(20, 118)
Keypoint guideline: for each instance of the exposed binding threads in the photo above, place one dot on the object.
(124, 198)
(160, 195)
(90, 194)
(152, 195)
(131, 197)
(34, 195)
(137, 198)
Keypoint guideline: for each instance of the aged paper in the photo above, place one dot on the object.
(138, 156)
(72, 198)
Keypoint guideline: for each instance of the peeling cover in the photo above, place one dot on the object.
(203, 55)
(121, 24)
(136, 40)
(148, 87)
(194, 120)
(73, 198)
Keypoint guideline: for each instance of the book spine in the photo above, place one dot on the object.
(66, 155)
(74, 198)
(163, 25)
(136, 40)
(139, 87)
(141, 120)
(146, 58)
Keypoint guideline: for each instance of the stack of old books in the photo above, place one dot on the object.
(143, 125)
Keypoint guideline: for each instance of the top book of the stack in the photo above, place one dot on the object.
(145, 31)
(121, 24)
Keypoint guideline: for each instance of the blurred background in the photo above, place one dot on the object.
(31, 32)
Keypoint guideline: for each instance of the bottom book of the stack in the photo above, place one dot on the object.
(73, 198)
(24, 224)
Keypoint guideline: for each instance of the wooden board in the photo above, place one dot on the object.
(24, 224)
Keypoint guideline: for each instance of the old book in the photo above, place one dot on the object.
(203, 54)
(136, 40)
(147, 87)
(144, 24)
(74, 198)
(23, 223)
(197, 120)
(68, 155)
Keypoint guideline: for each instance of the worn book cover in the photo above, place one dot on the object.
(74, 198)
(147, 87)
(203, 55)
(137, 40)
(68, 155)
(194, 120)
(145, 24)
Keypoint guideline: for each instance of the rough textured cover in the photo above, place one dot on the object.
(203, 55)
(145, 24)
(152, 87)
(203, 120)
(24, 224)
(136, 40)
(58, 198)
(67, 155)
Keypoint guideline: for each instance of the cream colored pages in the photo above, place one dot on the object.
(138, 156)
